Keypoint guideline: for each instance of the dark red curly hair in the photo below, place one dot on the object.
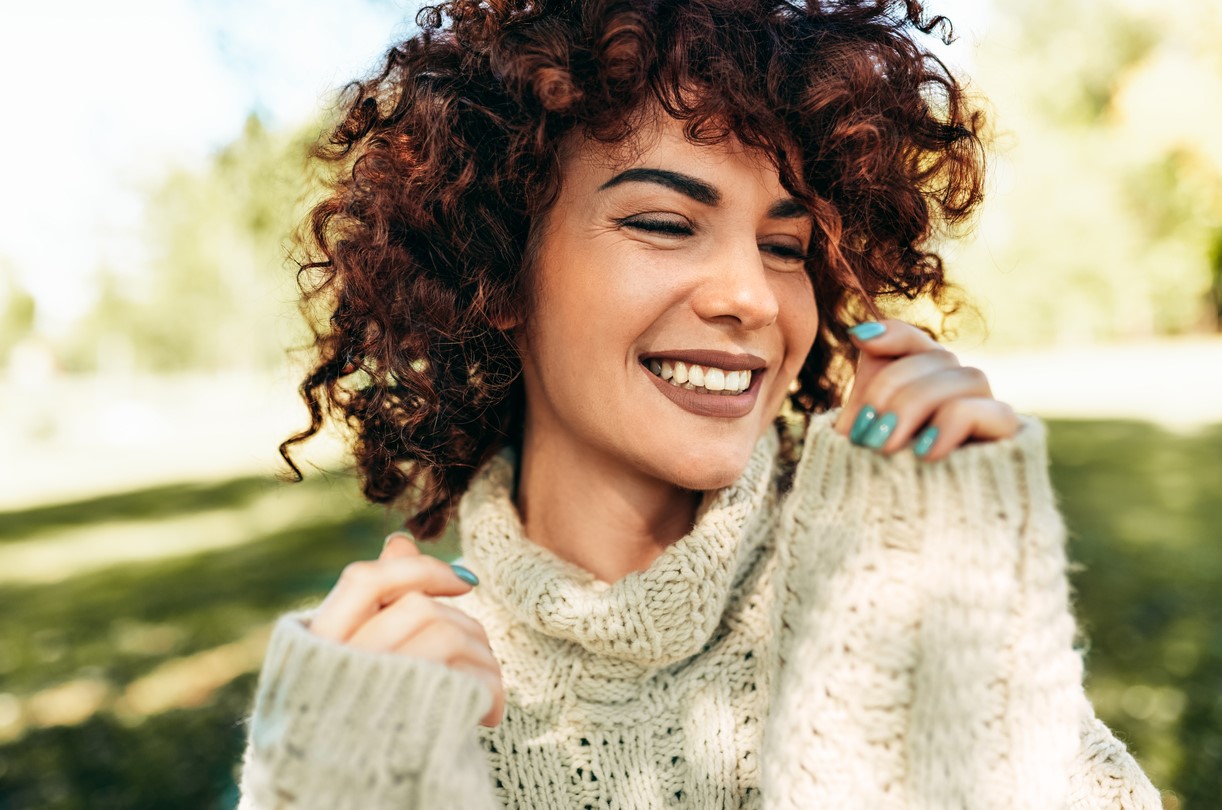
(448, 160)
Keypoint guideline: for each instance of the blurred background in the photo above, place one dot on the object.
(153, 174)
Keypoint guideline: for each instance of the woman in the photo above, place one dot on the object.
(593, 275)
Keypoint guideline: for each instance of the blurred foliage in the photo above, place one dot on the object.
(1141, 506)
(221, 291)
(17, 309)
(1103, 216)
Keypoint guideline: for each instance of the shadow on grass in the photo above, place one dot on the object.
(1143, 507)
(145, 504)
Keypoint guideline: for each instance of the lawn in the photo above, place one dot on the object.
(123, 684)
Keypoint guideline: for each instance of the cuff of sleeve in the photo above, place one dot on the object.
(333, 725)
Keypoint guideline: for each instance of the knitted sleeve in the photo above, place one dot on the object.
(335, 727)
(928, 642)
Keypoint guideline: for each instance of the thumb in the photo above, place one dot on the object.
(398, 545)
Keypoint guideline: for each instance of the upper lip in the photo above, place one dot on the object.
(729, 361)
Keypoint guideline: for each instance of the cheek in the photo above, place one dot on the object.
(799, 322)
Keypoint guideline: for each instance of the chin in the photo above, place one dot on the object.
(705, 471)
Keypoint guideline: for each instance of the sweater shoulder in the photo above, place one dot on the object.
(1010, 476)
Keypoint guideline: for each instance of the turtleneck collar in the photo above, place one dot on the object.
(654, 617)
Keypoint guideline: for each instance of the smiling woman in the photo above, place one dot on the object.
(693, 257)
(588, 269)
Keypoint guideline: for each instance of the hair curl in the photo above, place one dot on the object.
(448, 158)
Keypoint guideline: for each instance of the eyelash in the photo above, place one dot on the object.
(674, 229)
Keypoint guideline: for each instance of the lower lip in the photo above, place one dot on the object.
(701, 404)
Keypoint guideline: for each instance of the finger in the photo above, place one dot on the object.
(897, 338)
(398, 544)
(877, 392)
(396, 624)
(440, 642)
(495, 685)
(447, 644)
(961, 420)
(911, 406)
(902, 372)
(881, 342)
(365, 587)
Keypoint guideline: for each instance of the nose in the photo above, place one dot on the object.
(735, 289)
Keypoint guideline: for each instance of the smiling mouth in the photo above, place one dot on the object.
(703, 379)
(707, 383)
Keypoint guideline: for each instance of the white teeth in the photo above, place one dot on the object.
(693, 377)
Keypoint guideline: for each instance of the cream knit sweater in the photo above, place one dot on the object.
(886, 634)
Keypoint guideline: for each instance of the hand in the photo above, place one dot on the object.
(913, 384)
(387, 606)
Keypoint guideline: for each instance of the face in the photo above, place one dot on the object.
(672, 307)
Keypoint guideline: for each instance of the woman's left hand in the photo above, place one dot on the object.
(908, 387)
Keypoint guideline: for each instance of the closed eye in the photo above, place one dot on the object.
(785, 252)
(662, 226)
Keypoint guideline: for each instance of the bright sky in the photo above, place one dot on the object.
(101, 99)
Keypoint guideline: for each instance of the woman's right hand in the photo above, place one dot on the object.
(387, 606)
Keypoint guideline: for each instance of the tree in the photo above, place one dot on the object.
(220, 294)
(1107, 185)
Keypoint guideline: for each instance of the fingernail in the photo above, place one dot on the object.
(393, 535)
(862, 423)
(878, 433)
(925, 440)
(867, 329)
(465, 574)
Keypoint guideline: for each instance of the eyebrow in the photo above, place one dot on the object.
(700, 191)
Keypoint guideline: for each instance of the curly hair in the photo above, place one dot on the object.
(447, 160)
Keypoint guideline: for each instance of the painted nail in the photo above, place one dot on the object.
(880, 431)
(925, 440)
(862, 423)
(867, 330)
(465, 574)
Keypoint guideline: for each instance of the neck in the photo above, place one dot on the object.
(594, 512)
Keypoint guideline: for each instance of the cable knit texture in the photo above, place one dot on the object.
(885, 634)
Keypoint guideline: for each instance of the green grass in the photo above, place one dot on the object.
(1144, 509)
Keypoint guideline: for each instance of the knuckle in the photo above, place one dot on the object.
(356, 573)
(945, 354)
(480, 633)
(974, 374)
(421, 605)
(1008, 413)
(450, 648)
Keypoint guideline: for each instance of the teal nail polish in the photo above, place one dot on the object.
(880, 431)
(862, 423)
(867, 330)
(925, 440)
(464, 574)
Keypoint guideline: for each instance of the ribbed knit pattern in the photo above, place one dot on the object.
(886, 634)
